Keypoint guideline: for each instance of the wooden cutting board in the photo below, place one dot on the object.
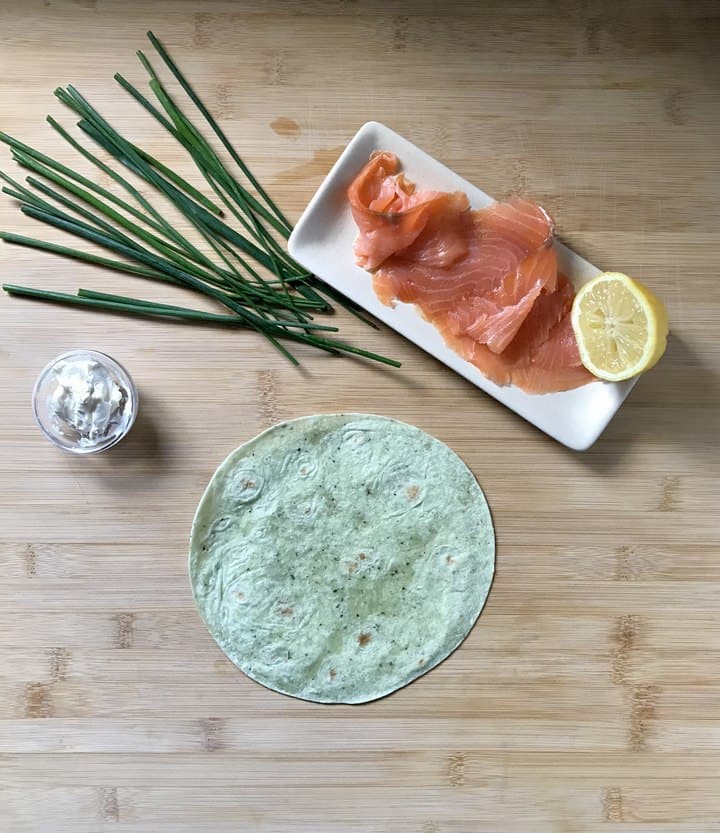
(587, 696)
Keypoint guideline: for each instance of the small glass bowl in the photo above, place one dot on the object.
(45, 387)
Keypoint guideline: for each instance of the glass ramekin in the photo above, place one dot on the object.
(46, 385)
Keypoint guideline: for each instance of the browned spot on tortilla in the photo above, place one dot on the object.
(421, 661)
(612, 803)
(248, 484)
(36, 700)
(316, 167)
(362, 556)
(59, 661)
(363, 639)
(332, 673)
(412, 492)
(285, 127)
(286, 611)
(449, 559)
(304, 470)
(109, 805)
(351, 566)
(240, 596)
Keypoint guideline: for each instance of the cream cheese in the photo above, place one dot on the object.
(88, 402)
(84, 401)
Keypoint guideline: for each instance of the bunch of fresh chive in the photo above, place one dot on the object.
(278, 307)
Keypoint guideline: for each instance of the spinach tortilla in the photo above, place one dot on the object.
(336, 558)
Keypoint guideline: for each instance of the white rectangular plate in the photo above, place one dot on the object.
(322, 242)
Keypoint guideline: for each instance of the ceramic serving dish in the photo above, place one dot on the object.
(322, 242)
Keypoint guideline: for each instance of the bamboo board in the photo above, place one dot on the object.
(588, 693)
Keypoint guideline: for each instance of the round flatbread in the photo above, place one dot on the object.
(336, 558)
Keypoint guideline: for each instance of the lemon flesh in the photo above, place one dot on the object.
(620, 326)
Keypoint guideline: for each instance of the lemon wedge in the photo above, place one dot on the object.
(620, 326)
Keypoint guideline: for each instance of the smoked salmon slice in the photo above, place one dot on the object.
(495, 319)
(388, 212)
(487, 279)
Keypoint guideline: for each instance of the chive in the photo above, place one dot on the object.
(215, 126)
(185, 277)
(187, 206)
(195, 144)
(155, 221)
(338, 297)
(230, 271)
(169, 250)
(104, 296)
(77, 254)
(130, 306)
(140, 98)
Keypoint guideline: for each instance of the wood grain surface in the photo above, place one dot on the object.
(587, 698)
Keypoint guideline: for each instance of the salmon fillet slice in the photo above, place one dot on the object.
(547, 311)
(472, 260)
(487, 279)
(496, 318)
(495, 366)
(388, 211)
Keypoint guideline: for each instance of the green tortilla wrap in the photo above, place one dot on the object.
(336, 558)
